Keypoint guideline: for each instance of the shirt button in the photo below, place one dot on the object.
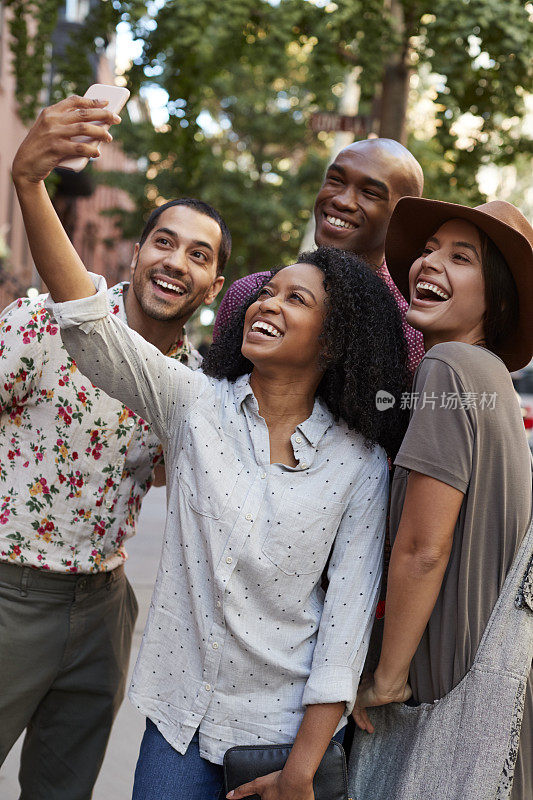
(215, 645)
(130, 422)
(108, 503)
(303, 465)
(263, 474)
(248, 516)
(219, 604)
(229, 560)
(298, 439)
(208, 687)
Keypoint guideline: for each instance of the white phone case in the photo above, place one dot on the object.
(117, 97)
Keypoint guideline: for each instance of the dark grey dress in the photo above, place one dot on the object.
(467, 431)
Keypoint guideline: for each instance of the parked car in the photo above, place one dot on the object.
(523, 383)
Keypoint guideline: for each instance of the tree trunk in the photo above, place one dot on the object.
(349, 104)
(395, 86)
(394, 94)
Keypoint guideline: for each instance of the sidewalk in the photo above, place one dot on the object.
(116, 777)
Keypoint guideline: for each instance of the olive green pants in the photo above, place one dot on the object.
(64, 650)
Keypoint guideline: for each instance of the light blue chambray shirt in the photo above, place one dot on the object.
(240, 635)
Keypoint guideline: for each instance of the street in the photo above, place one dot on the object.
(116, 777)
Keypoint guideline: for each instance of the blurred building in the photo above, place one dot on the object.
(79, 199)
(16, 267)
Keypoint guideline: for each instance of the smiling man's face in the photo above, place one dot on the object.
(354, 204)
(175, 270)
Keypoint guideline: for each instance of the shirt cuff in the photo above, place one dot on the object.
(331, 684)
(85, 311)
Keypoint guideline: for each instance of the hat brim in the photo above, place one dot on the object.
(415, 219)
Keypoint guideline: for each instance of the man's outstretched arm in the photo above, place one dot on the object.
(47, 144)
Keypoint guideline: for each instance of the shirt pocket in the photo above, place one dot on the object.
(302, 534)
(207, 469)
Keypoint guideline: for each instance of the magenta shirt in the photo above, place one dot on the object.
(241, 290)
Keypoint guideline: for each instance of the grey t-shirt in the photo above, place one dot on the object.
(482, 451)
(467, 432)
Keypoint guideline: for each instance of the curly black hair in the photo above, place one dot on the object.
(363, 347)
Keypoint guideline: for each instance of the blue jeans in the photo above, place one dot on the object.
(164, 774)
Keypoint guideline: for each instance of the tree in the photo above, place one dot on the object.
(31, 25)
(243, 77)
(242, 86)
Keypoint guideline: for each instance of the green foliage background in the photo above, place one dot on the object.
(260, 70)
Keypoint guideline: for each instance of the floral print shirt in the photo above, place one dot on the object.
(74, 463)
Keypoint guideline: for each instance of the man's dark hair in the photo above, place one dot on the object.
(363, 347)
(224, 250)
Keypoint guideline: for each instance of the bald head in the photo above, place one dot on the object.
(360, 189)
(405, 169)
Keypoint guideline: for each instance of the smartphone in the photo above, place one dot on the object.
(116, 97)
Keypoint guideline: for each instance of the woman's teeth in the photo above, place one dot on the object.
(268, 329)
(170, 286)
(430, 287)
(339, 223)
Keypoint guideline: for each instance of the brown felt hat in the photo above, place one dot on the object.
(415, 219)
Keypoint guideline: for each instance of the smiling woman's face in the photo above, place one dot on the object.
(447, 287)
(282, 327)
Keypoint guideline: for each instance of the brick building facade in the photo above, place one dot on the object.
(95, 236)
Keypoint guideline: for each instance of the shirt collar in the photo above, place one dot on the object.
(313, 428)
(386, 277)
(384, 273)
(242, 389)
(181, 349)
(116, 300)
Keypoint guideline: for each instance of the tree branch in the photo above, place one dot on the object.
(350, 57)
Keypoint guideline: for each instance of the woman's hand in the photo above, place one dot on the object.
(295, 780)
(371, 693)
(274, 786)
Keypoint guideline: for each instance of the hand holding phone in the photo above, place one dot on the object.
(51, 140)
(116, 97)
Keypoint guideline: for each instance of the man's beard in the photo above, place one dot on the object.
(159, 312)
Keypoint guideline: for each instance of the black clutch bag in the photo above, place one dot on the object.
(246, 763)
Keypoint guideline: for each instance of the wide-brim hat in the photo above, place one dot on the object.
(415, 219)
